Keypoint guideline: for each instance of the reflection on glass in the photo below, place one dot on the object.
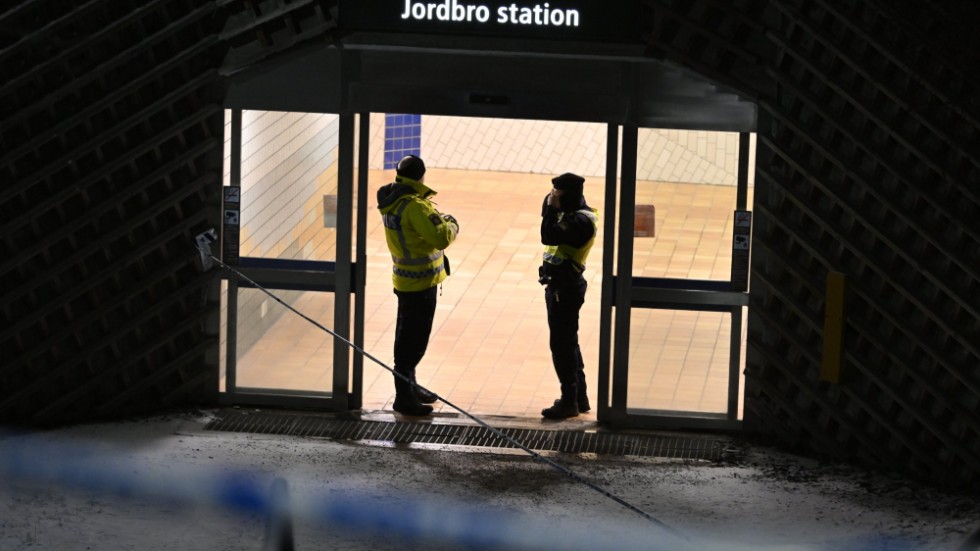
(685, 198)
(679, 360)
(279, 349)
(289, 168)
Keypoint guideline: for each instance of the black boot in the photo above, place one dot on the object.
(583, 397)
(406, 402)
(564, 408)
(422, 394)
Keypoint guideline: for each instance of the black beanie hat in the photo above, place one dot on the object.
(411, 167)
(569, 182)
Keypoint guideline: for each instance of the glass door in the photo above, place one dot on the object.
(679, 295)
(288, 234)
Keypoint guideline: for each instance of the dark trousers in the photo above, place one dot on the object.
(564, 300)
(412, 328)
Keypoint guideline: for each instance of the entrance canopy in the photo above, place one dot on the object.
(486, 77)
(355, 73)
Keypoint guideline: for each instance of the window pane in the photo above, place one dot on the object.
(279, 349)
(289, 185)
(685, 198)
(679, 360)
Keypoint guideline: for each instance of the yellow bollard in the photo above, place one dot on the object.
(833, 328)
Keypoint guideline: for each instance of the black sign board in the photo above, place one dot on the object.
(232, 230)
(572, 20)
(741, 241)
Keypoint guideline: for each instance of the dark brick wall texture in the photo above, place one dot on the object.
(867, 165)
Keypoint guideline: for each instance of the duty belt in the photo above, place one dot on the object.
(418, 275)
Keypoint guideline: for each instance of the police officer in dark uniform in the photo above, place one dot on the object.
(568, 231)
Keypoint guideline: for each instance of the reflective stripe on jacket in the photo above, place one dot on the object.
(416, 234)
(557, 255)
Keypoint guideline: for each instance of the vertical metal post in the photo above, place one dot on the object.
(231, 352)
(345, 226)
(279, 524)
(360, 264)
(741, 196)
(735, 348)
(608, 279)
(624, 269)
(734, 362)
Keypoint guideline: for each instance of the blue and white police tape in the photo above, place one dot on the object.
(26, 463)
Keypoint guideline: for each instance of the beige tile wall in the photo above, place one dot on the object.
(288, 165)
(544, 147)
(526, 146)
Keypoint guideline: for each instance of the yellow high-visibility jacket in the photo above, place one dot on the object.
(416, 234)
(558, 254)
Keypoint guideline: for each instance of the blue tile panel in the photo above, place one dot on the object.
(403, 136)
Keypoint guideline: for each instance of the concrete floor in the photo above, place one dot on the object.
(165, 482)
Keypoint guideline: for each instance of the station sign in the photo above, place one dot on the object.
(573, 20)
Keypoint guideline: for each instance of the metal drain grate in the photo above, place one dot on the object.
(306, 425)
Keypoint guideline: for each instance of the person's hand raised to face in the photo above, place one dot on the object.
(553, 199)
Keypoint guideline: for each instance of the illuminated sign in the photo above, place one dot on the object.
(451, 10)
(605, 21)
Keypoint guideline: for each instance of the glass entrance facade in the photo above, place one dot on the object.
(489, 348)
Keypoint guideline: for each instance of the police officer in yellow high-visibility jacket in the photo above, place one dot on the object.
(568, 231)
(416, 234)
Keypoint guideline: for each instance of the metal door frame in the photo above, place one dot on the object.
(619, 293)
(281, 274)
(358, 79)
(622, 292)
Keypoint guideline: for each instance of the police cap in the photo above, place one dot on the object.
(568, 182)
(411, 167)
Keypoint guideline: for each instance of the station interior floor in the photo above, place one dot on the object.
(488, 353)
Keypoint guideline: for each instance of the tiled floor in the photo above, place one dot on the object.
(489, 348)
